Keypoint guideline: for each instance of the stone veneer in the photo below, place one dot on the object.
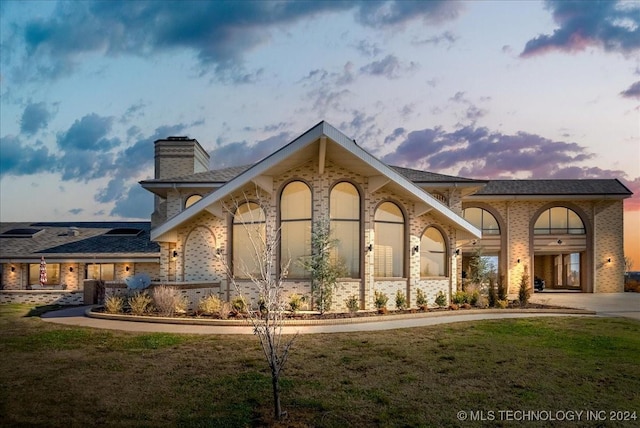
(42, 297)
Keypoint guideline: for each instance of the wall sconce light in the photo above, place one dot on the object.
(126, 268)
(415, 250)
(175, 253)
(368, 248)
(474, 242)
(609, 260)
(13, 268)
(70, 269)
(518, 260)
(559, 241)
(457, 251)
(218, 252)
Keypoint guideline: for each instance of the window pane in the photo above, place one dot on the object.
(433, 255)
(344, 202)
(543, 221)
(192, 200)
(473, 216)
(108, 271)
(388, 211)
(489, 223)
(93, 271)
(295, 202)
(389, 250)
(348, 248)
(559, 218)
(296, 244)
(249, 212)
(53, 273)
(248, 241)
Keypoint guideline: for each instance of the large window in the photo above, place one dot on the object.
(53, 273)
(389, 241)
(558, 221)
(192, 200)
(295, 227)
(483, 220)
(433, 253)
(104, 271)
(344, 212)
(249, 233)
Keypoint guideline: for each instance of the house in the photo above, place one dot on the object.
(398, 229)
(73, 252)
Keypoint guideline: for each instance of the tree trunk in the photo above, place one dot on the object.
(276, 396)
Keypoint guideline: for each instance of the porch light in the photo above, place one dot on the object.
(368, 248)
(13, 268)
(518, 260)
(126, 268)
(559, 241)
(218, 252)
(609, 260)
(70, 269)
(175, 254)
(457, 251)
(415, 250)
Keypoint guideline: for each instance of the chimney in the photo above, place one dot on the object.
(179, 156)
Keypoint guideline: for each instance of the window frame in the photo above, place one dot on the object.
(300, 273)
(404, 242)
(241, 225)
(356, 246)
(444, 252)
(549, 229)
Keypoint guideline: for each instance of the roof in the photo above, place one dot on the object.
(79, 240)
(310, 143)
(213, 176)
(418, 176)
(594, 187)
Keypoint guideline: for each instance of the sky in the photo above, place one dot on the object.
(478, 89)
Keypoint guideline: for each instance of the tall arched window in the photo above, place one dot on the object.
(558, 221)
(389, 241)
(433, 253)
(295, 227)
(344, 213)
(483, 220)
(249, 233)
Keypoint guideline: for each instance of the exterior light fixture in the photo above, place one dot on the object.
(559, 241)
(368, 248)
(70, 269)
(609, 260)
(518, 260)
(457, 251)
(126, 268)
(415, 250)
(175, 253)
(13, 268)
(218, 251)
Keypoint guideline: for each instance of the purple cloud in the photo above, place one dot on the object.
(632, 91)
(611, 25)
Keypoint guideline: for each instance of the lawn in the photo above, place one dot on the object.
(496, 372)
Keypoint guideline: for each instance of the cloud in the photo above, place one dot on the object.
(446, 37)
(18, 159)
(632, 91)
(35, 117)
(135, 202)
(611, 25)
(243, 153)
(479, 153)
(388, 67)
(88, 134)
(218, 33)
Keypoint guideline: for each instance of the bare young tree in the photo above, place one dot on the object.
(267, 315)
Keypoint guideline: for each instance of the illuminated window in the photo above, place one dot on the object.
(192, 200)
(295, 227)
(558, 221)
(389, 241)
(104, 271)
(53, 273)
(483, 220)
(344, 213)
(249, 233)
(433, 253)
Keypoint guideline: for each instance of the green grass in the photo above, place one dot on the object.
(53, 375)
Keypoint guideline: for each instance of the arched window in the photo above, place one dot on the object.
(295, 227)
(344, 213)
(192, 200)
(433, 253)
(389, 241)
(249, 233)
(483, 220)
(558, 221)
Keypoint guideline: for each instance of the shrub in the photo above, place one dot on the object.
(524, 291)
(238, 304)
(113, 304)
(473, 293)
(502, 290)
(295, 302)
(492, 295)
(166, 299)
(421, 299)
(441, 299)
(210, 305)
(502, 303)
(140, 303)
(225, 308)
(481, 302)
(459, 297)
(380, 299)
(352, 304)
(401, 300)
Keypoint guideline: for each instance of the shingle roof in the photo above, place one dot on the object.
(55, 239)
(214, 176)
(555, 187)
(418, 176)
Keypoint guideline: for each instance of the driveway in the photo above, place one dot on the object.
(604, 304)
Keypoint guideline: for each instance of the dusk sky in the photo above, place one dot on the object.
(480, 89)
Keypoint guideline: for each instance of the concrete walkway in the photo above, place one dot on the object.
(615, 304)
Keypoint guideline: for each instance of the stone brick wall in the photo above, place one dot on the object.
(42, 297)
(609, 244)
